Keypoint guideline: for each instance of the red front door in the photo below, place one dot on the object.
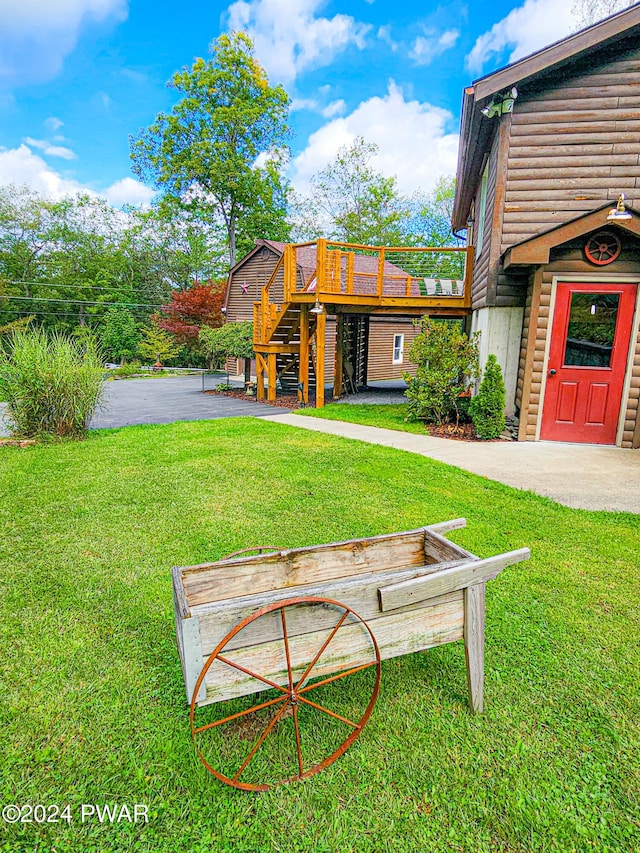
(587, 362)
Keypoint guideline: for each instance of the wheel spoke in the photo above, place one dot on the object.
(286, 648)
(240, 714)
(252, 674)
(336, 677)
(298, 747)
(324, 646)
(327, 711)
(260, 741)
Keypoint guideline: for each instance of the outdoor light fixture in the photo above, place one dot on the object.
(317, 308)
(501, 103)
(619, 211)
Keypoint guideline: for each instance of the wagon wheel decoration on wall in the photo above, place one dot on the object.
(320, 665)
(602, 248)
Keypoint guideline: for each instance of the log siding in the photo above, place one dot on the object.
(574, 144)
(565, 262)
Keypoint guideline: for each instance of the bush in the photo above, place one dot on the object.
(487, 407)
(447, 362)
(129, 368)
(52, 384)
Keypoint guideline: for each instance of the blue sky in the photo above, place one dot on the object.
(78, 76)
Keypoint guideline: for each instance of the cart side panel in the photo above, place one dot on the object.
(398, 633)
(234, 578)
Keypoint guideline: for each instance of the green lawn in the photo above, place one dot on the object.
(93, 708)
(386, 415)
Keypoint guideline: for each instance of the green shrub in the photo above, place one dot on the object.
(487, 407)
(447, 362)
(129, 368)
(52, 384)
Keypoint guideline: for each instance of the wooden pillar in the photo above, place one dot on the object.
(320, 349)
(303, 367)
(474, 603)
(271, 377)
(259, 376)
(337, 377)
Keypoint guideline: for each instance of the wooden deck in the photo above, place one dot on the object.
(342, 279)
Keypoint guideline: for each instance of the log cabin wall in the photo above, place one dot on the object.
(574, 142)
(254, 273)
(480, 280)
(567, 261)
(380, 353)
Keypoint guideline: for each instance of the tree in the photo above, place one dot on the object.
(351, 202)
(158, 345)
(447, 364)
(190, 310)
(220, 152)
(233, 340)
(120, 335)
(429, 223)
(589, 12)
(487, 407)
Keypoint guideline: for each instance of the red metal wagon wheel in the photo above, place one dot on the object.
(318, 657)
(603, 248)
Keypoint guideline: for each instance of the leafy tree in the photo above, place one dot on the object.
(589, 12)
(429, 223)
(190, 310)
(220, 152)
(233, 340)
(447, 364)
(120, 336)
(487, 407)
(351, 202)
(158, 345)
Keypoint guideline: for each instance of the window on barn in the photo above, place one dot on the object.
(398, 349)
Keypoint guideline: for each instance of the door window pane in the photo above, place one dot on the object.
(592, 324)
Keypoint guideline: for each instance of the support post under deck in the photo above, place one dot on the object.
(320, 349)
(303, 367)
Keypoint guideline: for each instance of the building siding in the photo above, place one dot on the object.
(380, 355)
(254, 274)
(574, 144)
(565, 262)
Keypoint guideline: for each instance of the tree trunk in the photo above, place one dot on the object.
(247, 371)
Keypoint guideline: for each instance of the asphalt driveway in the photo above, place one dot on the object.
(162, 401)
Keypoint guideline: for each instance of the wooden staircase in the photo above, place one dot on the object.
(350, 282)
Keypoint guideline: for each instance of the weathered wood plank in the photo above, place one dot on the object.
(396, 634)
(474, 619)
(572, 116)
(526, 137)
(284, 570)
(359, 593)
(575, 161)
(584, 150)
(420, 589)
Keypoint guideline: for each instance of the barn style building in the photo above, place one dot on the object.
(548, 186)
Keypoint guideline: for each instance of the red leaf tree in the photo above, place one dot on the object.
(189, 310)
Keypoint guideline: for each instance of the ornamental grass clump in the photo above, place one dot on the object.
(487, 407)
(51, 383)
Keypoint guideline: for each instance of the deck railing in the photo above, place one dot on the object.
(334, 273)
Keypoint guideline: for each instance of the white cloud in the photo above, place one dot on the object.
(411, 137)
(288, 36)
(128, 191)
(429, 46)
(525, 29)
(329, 111)
(384, 34)
(335, 108)
(53, 123)
(51, 150)
(21, 166)
(36, 35)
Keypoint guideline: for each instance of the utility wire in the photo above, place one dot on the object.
(82, 302)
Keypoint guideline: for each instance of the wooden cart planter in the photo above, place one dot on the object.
(310, 626)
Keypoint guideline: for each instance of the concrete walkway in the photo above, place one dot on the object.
(577, 475)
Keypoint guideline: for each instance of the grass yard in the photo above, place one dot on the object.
(93, 708)
(385, 415)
